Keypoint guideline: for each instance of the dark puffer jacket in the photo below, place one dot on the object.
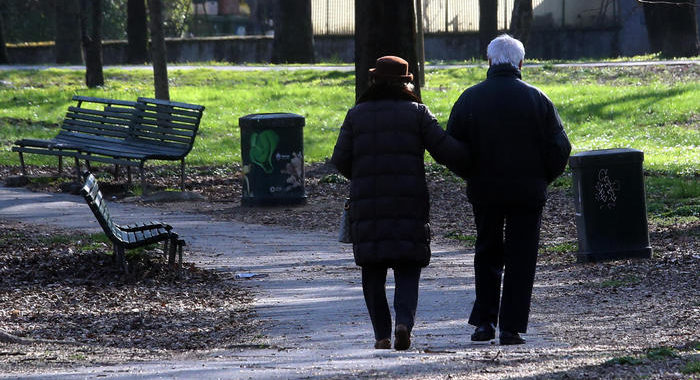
(515, 137)
(380, 148)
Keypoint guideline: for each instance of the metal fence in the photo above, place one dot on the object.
(333, 17)
(337, 17)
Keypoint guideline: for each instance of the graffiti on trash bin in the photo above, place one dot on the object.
(295, 171)
(262, 145)
(606, 190)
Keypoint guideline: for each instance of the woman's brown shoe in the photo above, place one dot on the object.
(402, 338)
(383, 344)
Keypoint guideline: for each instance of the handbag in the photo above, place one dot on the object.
(344, 233)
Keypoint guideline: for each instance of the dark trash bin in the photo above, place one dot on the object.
(272, 154)
(611, 217)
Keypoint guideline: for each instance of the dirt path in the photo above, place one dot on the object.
(308, 295)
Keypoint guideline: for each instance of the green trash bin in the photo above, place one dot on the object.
(611, 217)
(272, 154)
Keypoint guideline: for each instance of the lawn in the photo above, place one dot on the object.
(654, 109)
(651, 109)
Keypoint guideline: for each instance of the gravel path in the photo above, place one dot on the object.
(308, 295)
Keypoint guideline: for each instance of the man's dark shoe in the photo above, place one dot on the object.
(402, 338)
(383, 344)
(484, 333)
(508, 338)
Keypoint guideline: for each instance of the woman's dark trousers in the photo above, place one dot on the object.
(406, 280)
(514, 257)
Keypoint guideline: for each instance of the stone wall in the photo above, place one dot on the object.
(544, 44)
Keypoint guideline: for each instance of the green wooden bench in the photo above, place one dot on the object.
(123, 133)
(92, 121)
(130, 236)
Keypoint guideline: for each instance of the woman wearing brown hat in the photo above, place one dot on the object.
(380, 148)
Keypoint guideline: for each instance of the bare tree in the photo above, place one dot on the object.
(672, 27)
(136, 32)
(68, 49)
(521, 20)
(92, 41)
(488, 24)
(158, 52)
(294, 35)
(3, 48)
(382, 28)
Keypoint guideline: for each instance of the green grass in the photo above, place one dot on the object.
(671, 198)
(691, 367)
(624, 360)
(654, 109)
(469, 240)
(566, 247)
(651, 354)
(618, 282)
(660, 353)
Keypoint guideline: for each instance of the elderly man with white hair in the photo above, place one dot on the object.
(518, 146)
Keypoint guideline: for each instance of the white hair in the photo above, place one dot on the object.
(505, 49)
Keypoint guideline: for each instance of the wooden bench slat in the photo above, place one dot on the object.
(103, 100)
(147, 110)
(78, 111)
(107, 131)
(170, 103)
(47, 151)
(161, 137)
(119, 110)
(165, 128)
(169, 116)
(170, 131)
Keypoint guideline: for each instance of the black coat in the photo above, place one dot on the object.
(515, 137)
(380, 148)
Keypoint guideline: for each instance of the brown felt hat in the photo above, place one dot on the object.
(390, 67)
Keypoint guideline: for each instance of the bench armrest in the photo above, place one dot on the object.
(145, 226)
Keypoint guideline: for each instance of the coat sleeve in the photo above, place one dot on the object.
(557, 146)
(342, 152)
(445, 149)
(459, 122)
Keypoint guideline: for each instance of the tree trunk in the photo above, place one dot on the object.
(92, 41)
(68, 49)
(382, 28)
(3, 49)
(672, 29)
(521, 20)
(158, 53)
(488, 24)
(294, 35)
(136, 32)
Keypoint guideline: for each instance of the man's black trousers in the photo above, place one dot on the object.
(513, 257)
(406, 280)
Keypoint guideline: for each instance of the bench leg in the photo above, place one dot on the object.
(166, 248)
(180, 247)
(60, 165)
(143, 179)
(182, 174)
(121, 258)
(115, 253)
(128, 175)
(172, 249)
(77, 170)
(21, 161)
(116, 172)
